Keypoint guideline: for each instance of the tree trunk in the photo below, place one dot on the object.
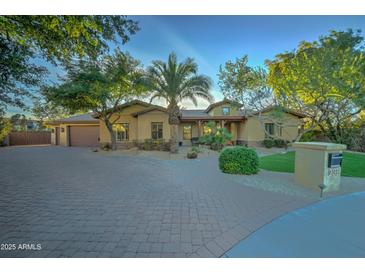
(113, 141)
(174, 121)
(173, 141)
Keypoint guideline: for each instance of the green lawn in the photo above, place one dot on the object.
(353, 165)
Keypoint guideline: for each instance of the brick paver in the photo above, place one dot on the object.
(77, 203)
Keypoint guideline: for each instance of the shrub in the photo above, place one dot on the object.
(308, 136)
(105, 146)
(280, 143)
(217, 138)
(5, 128)
(196, 149)
(148, 144)
(239, 160)
(268, 143)
(154, 144)
(192, 155)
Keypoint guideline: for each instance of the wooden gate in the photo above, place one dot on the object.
(29, 138)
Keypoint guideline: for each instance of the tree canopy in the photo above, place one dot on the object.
(249, 87)
(174, 82)
(325, 79)
(18, 76)
(61, 38)
(245, 84)
(25, 40)
(99, 86)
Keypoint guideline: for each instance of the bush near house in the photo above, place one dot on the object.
(217, 138)
(152, 144)
(239, 160)
(269, 143)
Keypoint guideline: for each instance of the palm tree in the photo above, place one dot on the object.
(175, 82)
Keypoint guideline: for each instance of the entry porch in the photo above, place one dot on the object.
(191, 129)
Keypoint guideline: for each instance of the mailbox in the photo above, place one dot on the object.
(334, 160)
(318, 164)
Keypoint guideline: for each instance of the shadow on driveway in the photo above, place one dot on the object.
(330, 228)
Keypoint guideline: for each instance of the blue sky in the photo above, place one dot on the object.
(212, 40)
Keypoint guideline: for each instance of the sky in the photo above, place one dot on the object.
(213, 40)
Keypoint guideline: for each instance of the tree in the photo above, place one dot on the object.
(249, 87)
(18, 77)
(325, 79)
(62, 38)
(47, 111)
(57, 39)
(18, 122)
(5, 128)
(175, 82)
(100, 86)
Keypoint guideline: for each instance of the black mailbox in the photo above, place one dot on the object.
(334, 160)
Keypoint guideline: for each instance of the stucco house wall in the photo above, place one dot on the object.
(125, 116)
(140, 116)
(53, 136)
(253, 131)
(63, 135)
(144, 124)
(64, 132)
(217, 111)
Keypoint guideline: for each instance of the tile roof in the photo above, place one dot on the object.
(193, 113)
(78, 118)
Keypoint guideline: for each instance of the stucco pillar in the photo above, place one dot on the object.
(318, 163)
(199, 128)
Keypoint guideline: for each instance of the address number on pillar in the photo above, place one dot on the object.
(334, 171)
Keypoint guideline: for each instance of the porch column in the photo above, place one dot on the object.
(199, 128)
(222, 123)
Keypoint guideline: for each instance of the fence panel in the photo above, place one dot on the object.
(29, 138)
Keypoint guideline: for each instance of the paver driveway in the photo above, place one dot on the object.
(77, 203)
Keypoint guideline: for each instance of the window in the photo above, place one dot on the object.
(157, 129)
(226, 110)
(269, 129)
(121, 131)
(187, 132)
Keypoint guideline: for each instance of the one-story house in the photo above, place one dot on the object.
(137, 121)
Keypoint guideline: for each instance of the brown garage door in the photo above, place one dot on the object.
(84, 136)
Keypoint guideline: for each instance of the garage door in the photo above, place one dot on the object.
(84, 136)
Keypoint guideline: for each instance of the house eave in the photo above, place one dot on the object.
(212, 118)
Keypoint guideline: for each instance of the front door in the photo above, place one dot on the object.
(187, 134)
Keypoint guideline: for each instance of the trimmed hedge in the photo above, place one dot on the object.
(239, 160)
